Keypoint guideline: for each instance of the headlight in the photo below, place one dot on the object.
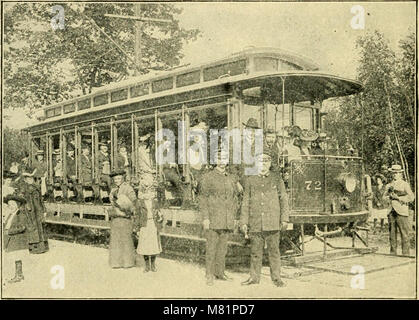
(348, 180)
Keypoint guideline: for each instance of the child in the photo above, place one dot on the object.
(150, 223)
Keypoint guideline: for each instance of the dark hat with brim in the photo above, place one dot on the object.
(252, 123)
(379, 175)
(9, 175)
(14, 197)
(103, 143)
(269, 129)
(117, 173)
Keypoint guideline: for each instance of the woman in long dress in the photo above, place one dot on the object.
(123, 200)
(14, 236)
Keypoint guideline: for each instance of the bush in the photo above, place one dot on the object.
(15, 144)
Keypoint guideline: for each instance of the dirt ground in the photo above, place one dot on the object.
(71, 270)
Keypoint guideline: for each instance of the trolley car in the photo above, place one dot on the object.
(277, 88)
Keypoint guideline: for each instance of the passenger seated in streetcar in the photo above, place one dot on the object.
(86, 165)
(71, 163)
(58, 175)
(41, 171)
(271, 146)
(197, 154)
(104, 164)
(86, 174)
(172, 179)
(145, 154)
(305, 140)
(123, 161)
(290, 151)
(57, 165)
(319, 147)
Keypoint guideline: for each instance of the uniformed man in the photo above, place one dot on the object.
(218, 204)
(264, 213)
(400, 194)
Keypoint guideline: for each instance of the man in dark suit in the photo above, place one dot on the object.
(399, 194)
(264, 213)
(218, 204)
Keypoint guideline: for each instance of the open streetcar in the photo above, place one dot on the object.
(279, 89)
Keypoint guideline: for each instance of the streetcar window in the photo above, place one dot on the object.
(163, 84)
(100, 100)
(274, 115)
(69, 108)
(119, 95)
(140, 90)
(84, 104)
(49, 113)
(57, 111)
(231, 69)
(303, 117)
(266, 64)
(189, 78)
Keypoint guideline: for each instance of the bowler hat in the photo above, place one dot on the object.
(270, 129)
(252, 123)
(9, 175)
(117, 173)
(396, 168)
(103, 143)
(14, 197)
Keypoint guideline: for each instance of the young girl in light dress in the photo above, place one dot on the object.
(150, 221)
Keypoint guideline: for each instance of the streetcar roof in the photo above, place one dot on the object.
(299, 86)
(250, 67)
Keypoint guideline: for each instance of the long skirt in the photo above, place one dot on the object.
(149, 240)
(121, 245)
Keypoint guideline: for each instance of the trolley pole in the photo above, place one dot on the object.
(138, 32)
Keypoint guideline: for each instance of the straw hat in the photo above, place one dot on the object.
(308, 135)
(395, 168)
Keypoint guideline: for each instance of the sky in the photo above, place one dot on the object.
(319, 31)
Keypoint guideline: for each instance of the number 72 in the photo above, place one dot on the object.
(316, 184)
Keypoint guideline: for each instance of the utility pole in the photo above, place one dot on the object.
(138, 30)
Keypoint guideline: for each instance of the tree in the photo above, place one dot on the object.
(44, 66)
(388, 105)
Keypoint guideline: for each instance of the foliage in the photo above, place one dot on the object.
(388, 105)
(44, 66)
(15, 146)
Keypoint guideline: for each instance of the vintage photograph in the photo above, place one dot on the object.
(204, 150)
